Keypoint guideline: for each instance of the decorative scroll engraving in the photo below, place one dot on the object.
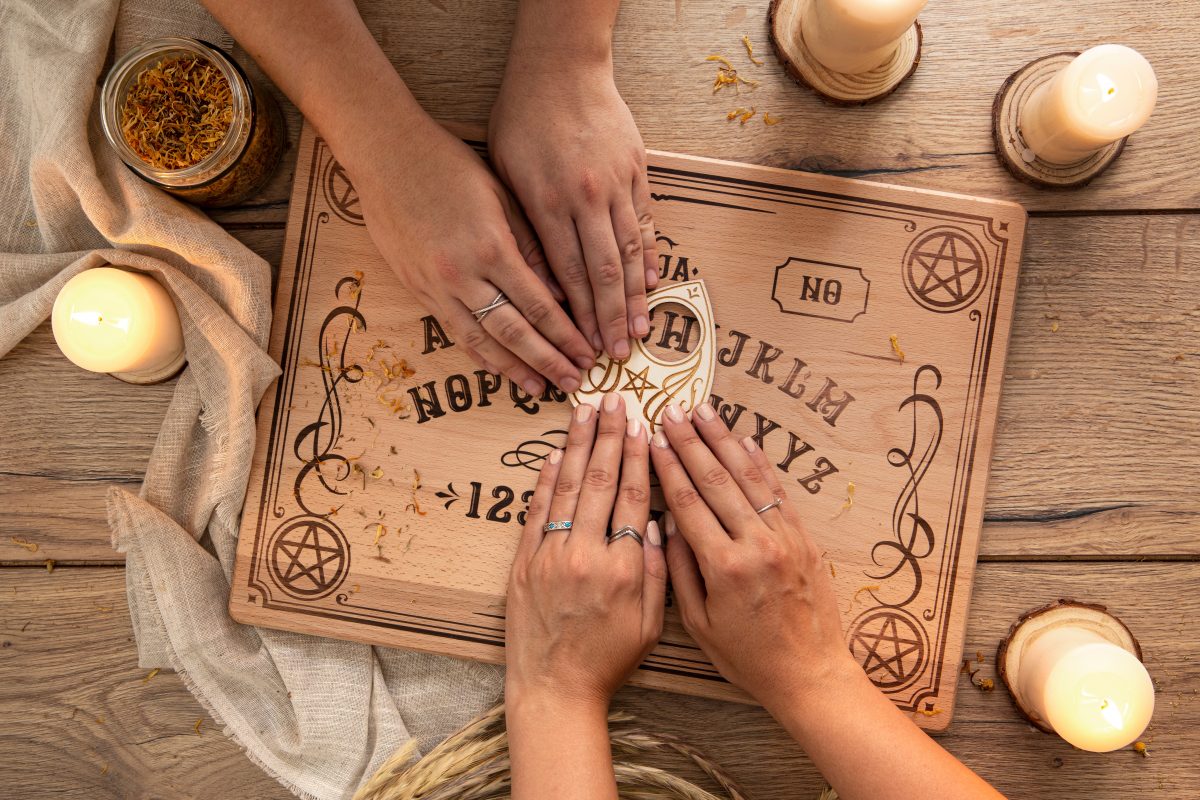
(886, 625)
(532, 452)
(314, 444)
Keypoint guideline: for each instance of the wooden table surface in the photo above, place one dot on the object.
(1093, 483)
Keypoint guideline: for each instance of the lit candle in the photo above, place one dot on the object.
(1104, 95)
(111, 320)
(1094, 694)
(856, 36)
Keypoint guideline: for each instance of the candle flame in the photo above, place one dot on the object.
(1111, 713)
(96, 319)
(1107, 85)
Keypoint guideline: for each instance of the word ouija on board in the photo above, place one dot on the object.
(860, 332)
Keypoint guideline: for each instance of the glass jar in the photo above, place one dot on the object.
(242, 161)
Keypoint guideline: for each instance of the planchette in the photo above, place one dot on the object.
(649, 383)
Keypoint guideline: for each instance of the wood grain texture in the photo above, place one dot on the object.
(80, 720)
(73, 655)
(934, 132)
(1095, 442)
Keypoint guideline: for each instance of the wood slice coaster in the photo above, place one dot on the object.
(1090, 616)
(1011, 149)
(837, 87)
(156, 376)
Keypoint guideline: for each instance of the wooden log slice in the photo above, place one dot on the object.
(1091, 616)
(1011, 149)
(838, 88)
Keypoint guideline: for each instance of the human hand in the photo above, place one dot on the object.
(751, 588)
(582, 613)
(456, 239)
(563, 139)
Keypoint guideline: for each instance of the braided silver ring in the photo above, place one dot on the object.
(627, 530)
(776, 503)
(480, 313)
(561, 525)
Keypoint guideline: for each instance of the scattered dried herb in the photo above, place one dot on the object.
(150, 675)
(929, 712)
(50, 562)
(769, 120)
(895, 340)
(196, 727)
(849, 504)
(750, 51)
(177, 112)
(28, 545)
(1139, 747)
(1054, 327)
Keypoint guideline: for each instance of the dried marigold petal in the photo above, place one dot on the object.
(750, 51)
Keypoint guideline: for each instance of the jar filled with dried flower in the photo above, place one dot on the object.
(183, 115)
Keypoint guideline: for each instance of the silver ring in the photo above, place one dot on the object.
(776, 503)
(480, 313)
(628, 530)
(561, 525)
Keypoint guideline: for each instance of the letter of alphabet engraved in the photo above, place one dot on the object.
(649, 384)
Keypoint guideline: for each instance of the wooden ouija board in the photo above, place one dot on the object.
(861, 334)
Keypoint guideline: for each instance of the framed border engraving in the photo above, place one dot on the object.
(860, 339)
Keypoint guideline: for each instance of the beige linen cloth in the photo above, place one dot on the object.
(317, 714)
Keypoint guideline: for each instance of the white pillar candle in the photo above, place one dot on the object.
(111, 320)
(856, 36)
(1094, 694)
(1104, 95)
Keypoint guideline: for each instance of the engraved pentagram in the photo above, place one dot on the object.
(639, 382)
(308, 557)
(341, 194)
(945, 269)
(890, 646)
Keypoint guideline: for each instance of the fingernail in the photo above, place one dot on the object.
(583, 412)
(569, 384)
(669, 521)
(660, 441)
(620, 350)
(610, 401)
(705, 412)
(641, 326)
(585, 362)
(675, 413)
(634, 428)
(532, 387)
(654, 534)
(555, 456)
(651, 278)
(597, 342)
(748, 443)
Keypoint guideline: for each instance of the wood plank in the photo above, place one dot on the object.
(79, 719)
(1098, 415)
(933, 133)
(72, 656)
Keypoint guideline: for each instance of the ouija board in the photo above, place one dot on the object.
(860, 337)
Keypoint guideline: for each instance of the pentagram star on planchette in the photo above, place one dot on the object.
(308, 556)
(639, 382)
(960, 265)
